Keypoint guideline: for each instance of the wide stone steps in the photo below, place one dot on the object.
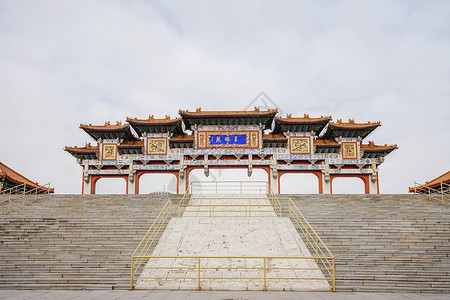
(73, 241)
(393, 243)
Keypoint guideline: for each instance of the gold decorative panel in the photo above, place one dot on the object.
(349, 151)
(300, 145)
(201, 143)
(254, 139)
(109, 152)
(156, 146)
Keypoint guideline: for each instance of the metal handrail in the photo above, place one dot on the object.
(21, 194)
(282, 207)
(441, 193)
(263, 267)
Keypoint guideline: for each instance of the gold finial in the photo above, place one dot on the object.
(167, 117)
(288, 116)
(199, 109)
(351, 121)
(306, 116)
(151, 117)
(256, 108)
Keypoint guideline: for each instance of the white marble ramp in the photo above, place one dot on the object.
(233, 234)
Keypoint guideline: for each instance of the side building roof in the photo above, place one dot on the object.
(435, 183)
(8, 173)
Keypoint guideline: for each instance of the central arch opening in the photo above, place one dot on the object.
(219, 174)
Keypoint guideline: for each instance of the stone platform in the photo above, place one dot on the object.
(231, 234)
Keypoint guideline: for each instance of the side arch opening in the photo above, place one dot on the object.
(299, 183)
(106, 185)
(348, 185)
(155, 182)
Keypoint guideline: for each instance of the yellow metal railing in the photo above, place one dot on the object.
(19, 194)
(265, 266)
(209, 207)
(440, 192)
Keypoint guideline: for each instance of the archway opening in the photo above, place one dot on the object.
(348, 185)
(111, 186)
(155, 182)
(240, 175)
(299, 183)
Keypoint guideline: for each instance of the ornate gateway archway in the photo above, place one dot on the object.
(231, 139)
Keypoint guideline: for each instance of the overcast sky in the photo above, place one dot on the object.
(63, 63)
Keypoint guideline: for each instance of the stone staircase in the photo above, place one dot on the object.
(392, 243)
(74, 241)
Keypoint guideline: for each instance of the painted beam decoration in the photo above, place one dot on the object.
(228, 139)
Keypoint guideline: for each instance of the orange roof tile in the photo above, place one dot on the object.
(302, 120)
(107, 127)
(153, 121)
(326, 143)
(239, 113)
(274, 137)
(82, 150)
(182, 138)
(352, 125)
(132, 144)
(378, 148)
